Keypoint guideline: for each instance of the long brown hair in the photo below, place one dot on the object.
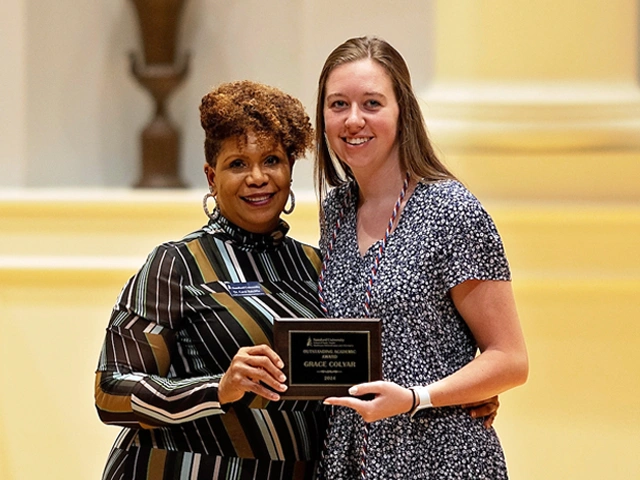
(415, 151)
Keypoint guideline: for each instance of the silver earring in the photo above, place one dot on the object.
(212, 215)
(292, 199)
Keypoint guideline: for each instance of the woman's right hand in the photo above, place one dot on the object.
(251, 369)
(487, 409)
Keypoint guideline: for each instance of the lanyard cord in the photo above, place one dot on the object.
(367, 301)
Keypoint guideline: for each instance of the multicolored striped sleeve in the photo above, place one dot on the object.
(135, 383)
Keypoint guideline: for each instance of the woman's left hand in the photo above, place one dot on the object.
(390, 400)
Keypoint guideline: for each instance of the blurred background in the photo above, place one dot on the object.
(535, 105)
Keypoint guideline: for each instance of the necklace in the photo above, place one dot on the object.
(379, 254)
(373, 275)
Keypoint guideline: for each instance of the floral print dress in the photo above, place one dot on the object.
(443, 238)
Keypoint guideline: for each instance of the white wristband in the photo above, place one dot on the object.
(424, 397)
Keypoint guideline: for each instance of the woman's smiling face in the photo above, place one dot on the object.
(251, 182)
(361, 114)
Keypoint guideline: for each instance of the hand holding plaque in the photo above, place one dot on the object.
(324, 357)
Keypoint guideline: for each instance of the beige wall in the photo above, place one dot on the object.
(556, 164)
(72, 112)
(12, 92)
(576, 280)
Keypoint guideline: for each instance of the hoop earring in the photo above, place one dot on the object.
(212, 215)
(292, 198)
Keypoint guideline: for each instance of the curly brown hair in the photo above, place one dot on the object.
(236, 108)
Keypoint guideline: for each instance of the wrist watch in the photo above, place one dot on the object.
(424, 399)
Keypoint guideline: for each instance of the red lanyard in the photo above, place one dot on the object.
(367, 301)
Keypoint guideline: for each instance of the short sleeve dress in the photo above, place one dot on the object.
(443, 238)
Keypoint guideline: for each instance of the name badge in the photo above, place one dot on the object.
(244, 289)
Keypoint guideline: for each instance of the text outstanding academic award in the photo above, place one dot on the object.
(324, 357)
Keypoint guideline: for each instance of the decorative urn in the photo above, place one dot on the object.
(159, 74)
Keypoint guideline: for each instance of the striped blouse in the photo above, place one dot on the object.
(174, 329)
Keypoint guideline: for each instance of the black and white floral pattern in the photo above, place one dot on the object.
(444, 237)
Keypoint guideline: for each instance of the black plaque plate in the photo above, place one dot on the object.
(324, 357)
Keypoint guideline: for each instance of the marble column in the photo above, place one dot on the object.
(538, 100)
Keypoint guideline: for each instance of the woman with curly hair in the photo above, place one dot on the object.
(186, 367)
